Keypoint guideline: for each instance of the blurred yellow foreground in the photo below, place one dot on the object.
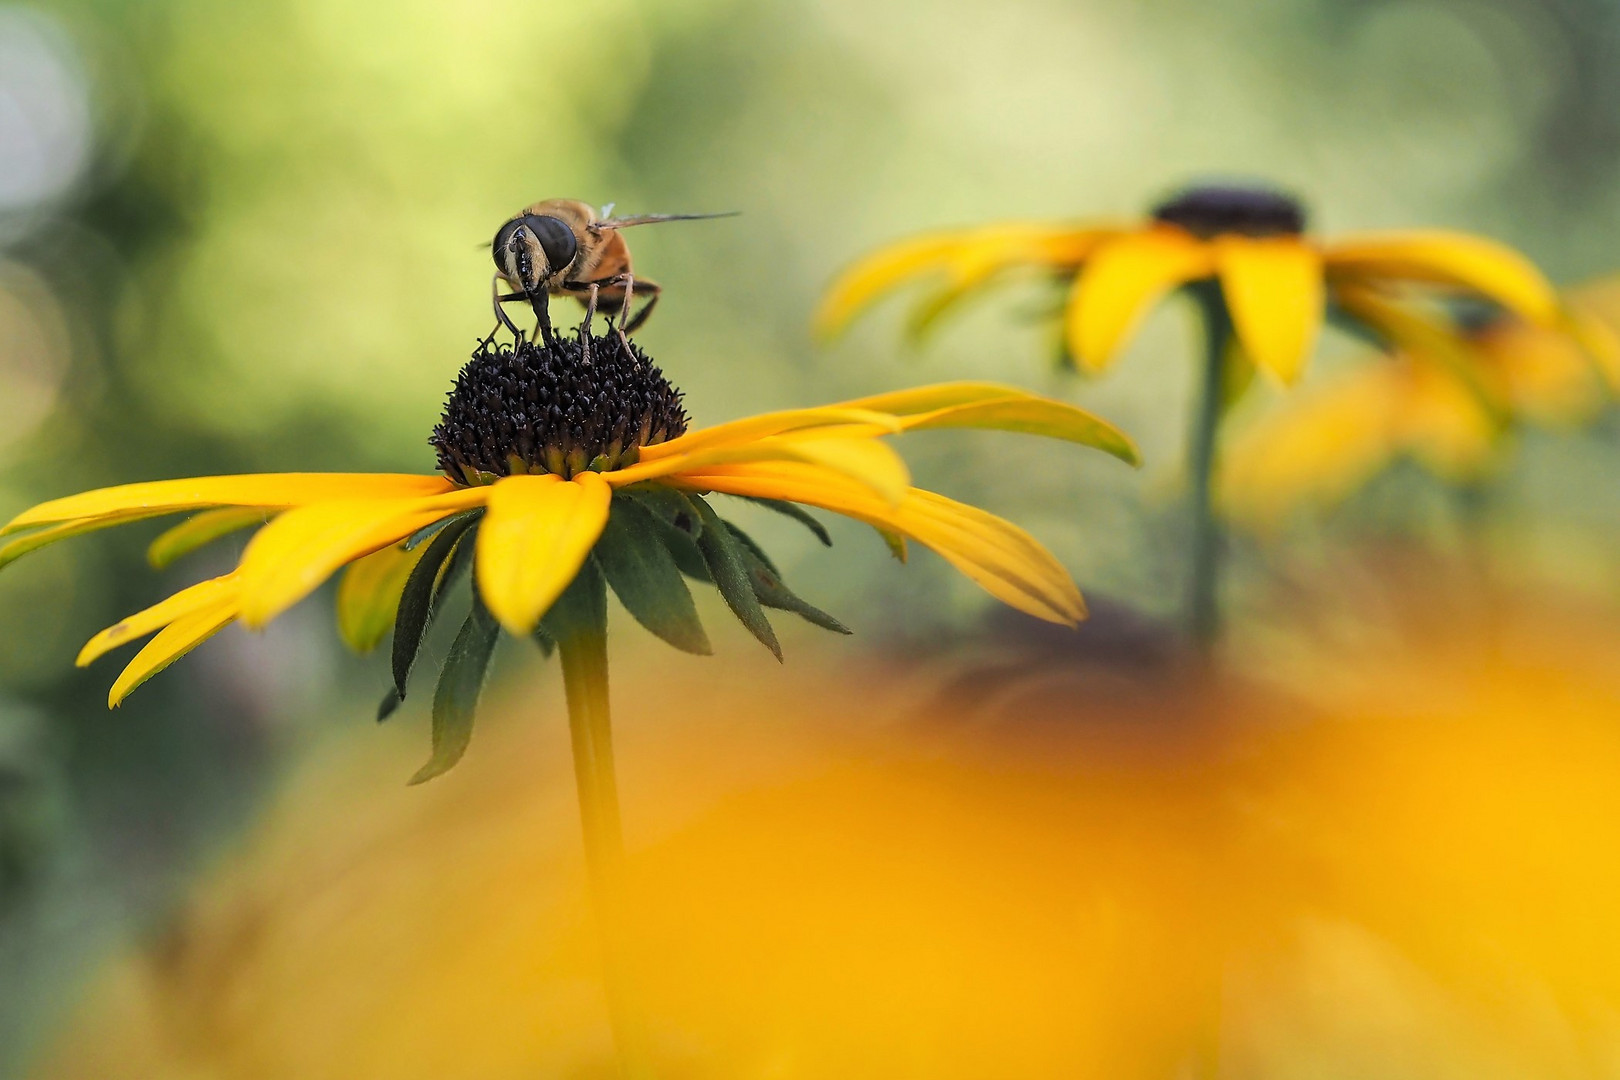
(1412, 872)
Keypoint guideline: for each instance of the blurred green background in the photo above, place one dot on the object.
(248, 237)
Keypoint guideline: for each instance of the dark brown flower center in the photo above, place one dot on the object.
(561, 408)
(1213, 210)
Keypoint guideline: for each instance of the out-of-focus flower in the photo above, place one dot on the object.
(1263, 288)
(1449, 393)
(554, 459)
(1273, 277)
(1406, 871)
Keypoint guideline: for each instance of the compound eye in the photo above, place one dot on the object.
(502, 242)
(556, 238)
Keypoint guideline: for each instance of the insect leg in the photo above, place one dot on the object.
(651, 289)
(629, 296)
(585, 327)
(500, 312)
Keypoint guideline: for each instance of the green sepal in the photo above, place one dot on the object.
(796, 512)
(753, 548)
(727, 560)
(427, 532)
(674, 508)
(461, 680)
(679, 526)
(772, 591)
(645, 577)
(423, 589)
(582, 607)
(895, 542)
(388, 705)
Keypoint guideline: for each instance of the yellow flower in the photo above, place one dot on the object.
(1273, 277)
(548, 454)
(1447, 394)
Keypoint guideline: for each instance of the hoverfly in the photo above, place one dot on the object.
(564, 247)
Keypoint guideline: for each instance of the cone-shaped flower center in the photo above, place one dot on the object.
(1211, 211)
(561, 408)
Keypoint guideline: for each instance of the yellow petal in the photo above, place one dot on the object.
(1004, 560)
(970, 255)
(13, 550)
(170, 644)
(1317, 449)
(1273, 288)
(1444, 425)
(878, 273)
(291, 556)
(1123, 279)
(1001, 558)
(201, 529)
(203, 595)
(272, 490)
(1600, 342)
(922, 399)
(749, 429)
(1448, 258)
(368, 595)
(866, 461)
(535, 536)
(852, 450)
(1032, 416)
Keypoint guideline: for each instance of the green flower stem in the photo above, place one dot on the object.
(579, 624)
(1203, 596)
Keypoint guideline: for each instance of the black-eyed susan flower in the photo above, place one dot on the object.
(1273, 276)
(567, 467)
(1449, 390)
(1262, 284)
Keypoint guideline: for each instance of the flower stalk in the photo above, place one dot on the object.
(578, 623)
(1203, 591)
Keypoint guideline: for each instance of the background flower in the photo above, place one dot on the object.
(1453, 394)
(1275, 280)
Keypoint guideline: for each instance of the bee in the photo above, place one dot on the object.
(563, 247)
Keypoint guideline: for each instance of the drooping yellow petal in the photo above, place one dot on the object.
(997, 555)
(1316, 449)
(1546, 376)
(170, 644)
(922, 399)
(1273, 288)
(13, 550)
(969, 255)
(291, 556)
(368, 594)
(1122, 280)
(1001, 558)
(536, 534)
(877, 273)
(970, 270)
(1429, 341)
(870, 463)
(1600, 341)
(851, 449)
(1032, 416)
(751, 428)
(205, 595)
(1443, 424)
(271, 490)
(201, 529)
(1447, 258)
